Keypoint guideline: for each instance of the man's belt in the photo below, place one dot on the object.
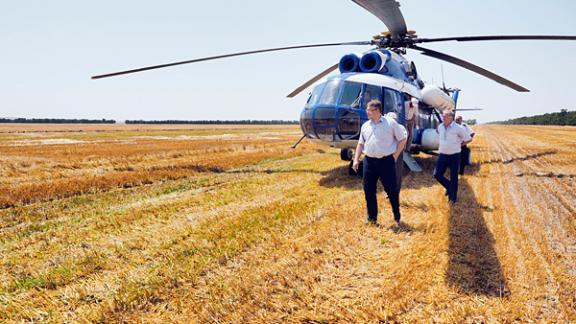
(375, 158)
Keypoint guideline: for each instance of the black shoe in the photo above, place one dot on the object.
(370, 222)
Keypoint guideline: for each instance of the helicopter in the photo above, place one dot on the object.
(334, 110)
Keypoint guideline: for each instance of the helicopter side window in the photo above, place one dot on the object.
(351, 94)
(371, 92)
(313, 98)
(391, 103)
(330, 93)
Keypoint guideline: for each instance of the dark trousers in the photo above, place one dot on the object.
(385, 170)
(464, 158)
(451, 161)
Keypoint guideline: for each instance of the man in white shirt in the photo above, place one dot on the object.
(465, 153)
(382, 141)
(452, 137)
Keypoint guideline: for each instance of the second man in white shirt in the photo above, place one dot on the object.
(452, 137)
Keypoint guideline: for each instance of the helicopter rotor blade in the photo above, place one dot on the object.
(311, 81)
(495, 37)
(471, 67)
(226, 56)
(388, 11)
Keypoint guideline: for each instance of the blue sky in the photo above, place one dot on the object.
(51, 48)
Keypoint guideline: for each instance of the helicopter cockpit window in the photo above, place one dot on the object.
(348, 123)
(314, 96)
(330, 93)
(351, 94)
(371, 92)
(391, 103)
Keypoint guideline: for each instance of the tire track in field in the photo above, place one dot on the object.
(517, 192)
(562, 219)
(559, 245)
(512, 253)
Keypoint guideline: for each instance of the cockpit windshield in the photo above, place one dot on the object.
(330, 93)
(346, 94)
(314, 96)
(351, 94)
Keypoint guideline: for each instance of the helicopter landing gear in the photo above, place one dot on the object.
(346, 154)
(354, 173)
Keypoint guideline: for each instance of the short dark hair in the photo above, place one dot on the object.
(374, 104)
(448, 112)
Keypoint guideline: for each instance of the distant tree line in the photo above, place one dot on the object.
(216, 122)
(563, 118)
(56, 121)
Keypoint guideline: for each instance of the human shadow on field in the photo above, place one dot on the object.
(473, 265)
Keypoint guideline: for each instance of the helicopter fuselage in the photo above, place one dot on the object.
(335, 109)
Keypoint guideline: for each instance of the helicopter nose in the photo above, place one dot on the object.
(325, 123)
(319, 122)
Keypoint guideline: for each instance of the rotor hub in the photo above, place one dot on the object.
(395, 42)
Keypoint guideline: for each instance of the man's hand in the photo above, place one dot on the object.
(355, 165)
(359, 149)
(399, 149)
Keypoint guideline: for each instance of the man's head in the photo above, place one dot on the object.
(447, 116)
(374, 109)
(458, 120)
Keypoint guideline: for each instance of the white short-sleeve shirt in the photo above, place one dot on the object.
(451, 138)
(411, 109)
(381, 139)
(468, 128)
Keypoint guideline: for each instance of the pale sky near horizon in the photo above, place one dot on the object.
(51, 48)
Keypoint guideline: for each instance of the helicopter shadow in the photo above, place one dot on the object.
(518, 158)
(473, 265)
(475, 166)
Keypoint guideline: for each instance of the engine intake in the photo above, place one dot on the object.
(349, 63)
(373, 62)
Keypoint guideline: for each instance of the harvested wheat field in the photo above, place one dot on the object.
(228, 224)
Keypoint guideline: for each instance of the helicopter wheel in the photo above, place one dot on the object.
(346, 154)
